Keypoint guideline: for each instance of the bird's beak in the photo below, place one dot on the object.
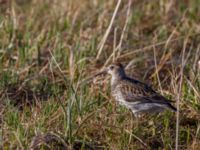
(103, 72)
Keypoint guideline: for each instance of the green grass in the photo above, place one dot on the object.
(48, 48)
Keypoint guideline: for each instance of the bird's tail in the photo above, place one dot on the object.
(172, 107)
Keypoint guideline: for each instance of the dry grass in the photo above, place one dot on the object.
(48, 50)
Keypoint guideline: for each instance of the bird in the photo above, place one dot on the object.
(133, 94)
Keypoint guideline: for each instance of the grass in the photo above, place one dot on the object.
(47, 50)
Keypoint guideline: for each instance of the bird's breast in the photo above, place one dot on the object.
(117, 95)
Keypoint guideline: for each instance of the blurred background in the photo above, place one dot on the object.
(49, 48)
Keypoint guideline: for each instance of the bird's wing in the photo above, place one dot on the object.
(139, 92)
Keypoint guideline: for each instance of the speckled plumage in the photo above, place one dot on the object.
(135, 95)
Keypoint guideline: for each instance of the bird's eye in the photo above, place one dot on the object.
(111, 67)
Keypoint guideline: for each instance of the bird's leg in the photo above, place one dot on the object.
(137, 116)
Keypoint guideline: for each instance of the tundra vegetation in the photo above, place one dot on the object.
(50, 49)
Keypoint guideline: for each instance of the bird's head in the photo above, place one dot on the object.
(115, 70)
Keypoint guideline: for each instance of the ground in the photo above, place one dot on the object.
(49, 51)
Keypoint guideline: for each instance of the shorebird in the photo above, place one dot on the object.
(135, 95)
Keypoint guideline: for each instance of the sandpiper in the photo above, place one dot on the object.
(135, 95)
